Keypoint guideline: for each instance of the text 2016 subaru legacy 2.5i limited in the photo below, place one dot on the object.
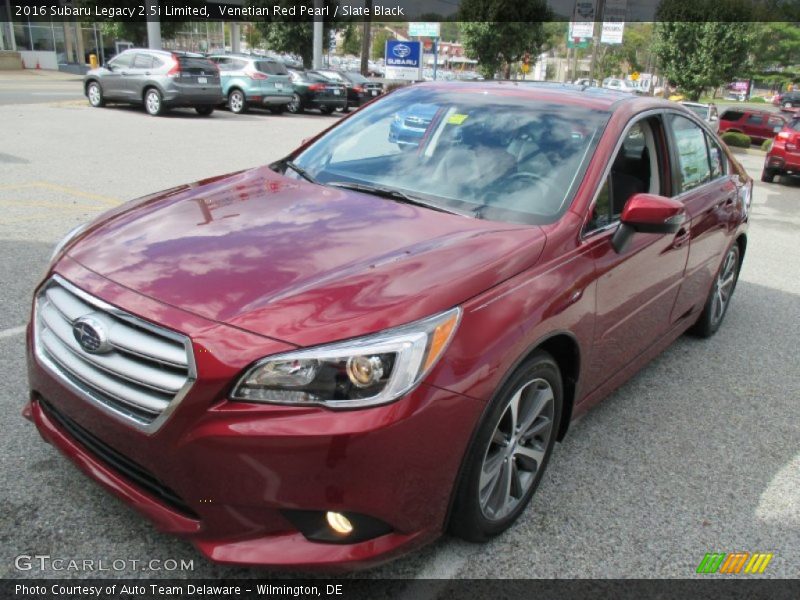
(331, 360)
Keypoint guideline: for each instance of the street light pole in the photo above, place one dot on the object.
(153, 27)
(365, 38)
(317, 59)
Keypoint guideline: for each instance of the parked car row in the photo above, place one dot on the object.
(161, 80)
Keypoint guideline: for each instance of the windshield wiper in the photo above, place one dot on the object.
(384, 192)
(288, 164)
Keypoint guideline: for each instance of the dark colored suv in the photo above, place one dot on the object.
(788, 100)
(158, 79)
(760, 125)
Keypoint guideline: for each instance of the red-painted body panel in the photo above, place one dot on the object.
(254, 264)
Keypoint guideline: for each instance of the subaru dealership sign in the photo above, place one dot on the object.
(403, 60)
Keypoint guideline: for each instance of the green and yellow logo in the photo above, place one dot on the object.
(734, 563)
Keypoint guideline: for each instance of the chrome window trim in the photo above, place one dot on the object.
(96, 400)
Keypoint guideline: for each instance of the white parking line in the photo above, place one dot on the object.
(7, 333)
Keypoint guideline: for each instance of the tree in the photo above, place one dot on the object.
(704, 44)
(379, 43)
(776, 52)
(497, 43)
(292, 37)
(352, 39)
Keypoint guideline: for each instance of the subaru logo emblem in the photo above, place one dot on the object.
(91, 334)
(401, 50)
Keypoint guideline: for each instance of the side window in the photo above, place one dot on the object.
(122, 61)
(716, 157)
(731, 115)
(755, 120)
(143, 61)
(690, 147)
(157, 62)
(633, 171)
(776, 124)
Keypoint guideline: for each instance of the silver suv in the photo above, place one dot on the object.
(157, 79)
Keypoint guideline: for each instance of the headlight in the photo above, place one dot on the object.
(73, 233)
(365, 371)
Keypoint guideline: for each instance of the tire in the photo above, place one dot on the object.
(153, 103)
(326, 110)
(345, 108)
(95, 94)
(204, 111)
(237, 103)
(277, 110)
(295, 106)
(768, 175)
(504, 465)
(719, 298)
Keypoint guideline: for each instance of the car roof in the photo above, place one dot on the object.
(164, 52)
(751, 111)
(243, 56)
(561, 93)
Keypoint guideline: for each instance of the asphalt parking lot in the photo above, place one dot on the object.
(699, 452)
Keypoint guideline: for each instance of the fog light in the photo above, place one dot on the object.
(339, 523)
(364, 371)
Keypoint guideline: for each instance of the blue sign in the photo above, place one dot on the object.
(403, 54)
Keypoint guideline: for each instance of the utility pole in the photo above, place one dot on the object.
(153, 27)
(365, 38)
(601, 7)
(318, 27)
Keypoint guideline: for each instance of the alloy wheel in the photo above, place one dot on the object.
(236, 102)
(295, 105)
(153, 102)
(724, 284)
(95, 95)
(516, 449)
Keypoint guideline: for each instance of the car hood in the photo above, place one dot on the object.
(299, 262)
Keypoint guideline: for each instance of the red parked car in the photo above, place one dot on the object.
(760, 125)
(331, 360)
(783, 158)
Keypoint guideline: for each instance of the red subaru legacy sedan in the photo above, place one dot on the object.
(331, 360)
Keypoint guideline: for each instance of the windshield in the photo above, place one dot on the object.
(482, 154)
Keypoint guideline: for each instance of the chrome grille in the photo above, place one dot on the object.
(144, 372)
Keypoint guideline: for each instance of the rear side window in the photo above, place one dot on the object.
(732, 115)
(143, 61)
(776, 123)
(755, 120)
(271, 67)
(690, 146)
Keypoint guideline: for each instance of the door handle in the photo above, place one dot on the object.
(683, 236)
(147, 72)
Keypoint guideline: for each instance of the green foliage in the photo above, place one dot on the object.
(766, 145)
(734, 138)
(776, 52)
(351, 43)
(757, 100)
(291, 37)
(497, 43)
(379, 38)
(703, 43)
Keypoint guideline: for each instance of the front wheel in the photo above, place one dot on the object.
(95, 94)
(510, 452)
(204, 111)
(719, 298)
(768, 175)
(153, 103)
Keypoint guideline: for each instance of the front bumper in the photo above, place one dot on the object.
(236, 468)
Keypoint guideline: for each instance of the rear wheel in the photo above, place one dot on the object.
(768, 175)
(296, 105)
(237, 102)
(719, 298)
(204, 110)
(510, 452)
(153, 103)
(95, 94)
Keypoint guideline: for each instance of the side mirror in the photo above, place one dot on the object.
(647, 213)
